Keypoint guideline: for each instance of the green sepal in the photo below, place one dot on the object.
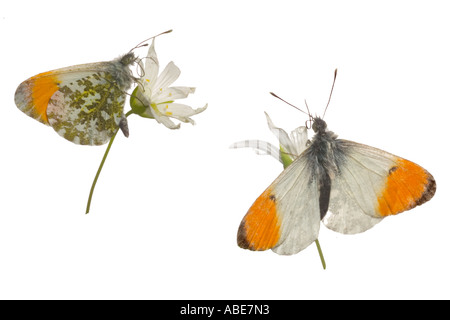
(136, 105)
(286, 159)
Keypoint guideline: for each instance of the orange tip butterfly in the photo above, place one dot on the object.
(83, 103)
(348, 186)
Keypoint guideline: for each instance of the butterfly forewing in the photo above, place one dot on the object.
(286, 217)
(84, 103)
(372, 184)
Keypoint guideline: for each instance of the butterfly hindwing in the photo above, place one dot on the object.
(87, 110)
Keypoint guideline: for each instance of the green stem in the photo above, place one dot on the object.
(91, 193)
(98, 172)
(321, 254)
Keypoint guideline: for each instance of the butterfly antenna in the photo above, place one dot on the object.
(331, 92)
(140, 68)
(143, 44)
(290, 104)
(309, 115)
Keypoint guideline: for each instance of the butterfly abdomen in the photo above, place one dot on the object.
(323, 162)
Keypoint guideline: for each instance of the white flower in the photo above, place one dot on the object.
(154, 92)
(290, 147)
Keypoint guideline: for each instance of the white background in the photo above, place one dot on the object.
(166, 209)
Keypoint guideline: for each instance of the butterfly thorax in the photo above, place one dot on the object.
(324, 146)
(121, 72)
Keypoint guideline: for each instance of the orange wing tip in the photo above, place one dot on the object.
(242, 240)
(260, 228)
(407, 186)
(33, 95)
(429, 191)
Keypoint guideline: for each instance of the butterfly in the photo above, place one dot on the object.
(82, 103)
(348, 186)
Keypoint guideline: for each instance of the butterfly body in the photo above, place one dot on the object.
(323, 144)
(347, 185)
(83, 103)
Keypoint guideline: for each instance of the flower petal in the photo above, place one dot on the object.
(160, 118)
(170, 73)
(168, 123)
(260, 147)
(281, 135)
(173, 93)
(151, 66)
(299, 138)
(180, 111)
(144, 92)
